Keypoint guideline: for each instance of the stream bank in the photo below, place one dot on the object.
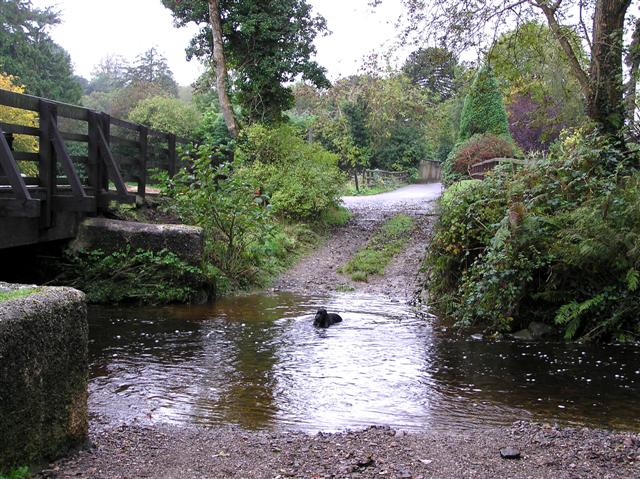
(189, 453)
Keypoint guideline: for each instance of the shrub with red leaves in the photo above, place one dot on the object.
(480, 148)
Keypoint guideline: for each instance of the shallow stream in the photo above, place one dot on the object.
(256, 361)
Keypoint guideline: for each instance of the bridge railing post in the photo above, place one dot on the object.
(105, 124)
(93, 162)
(46, 161)
(144, 158)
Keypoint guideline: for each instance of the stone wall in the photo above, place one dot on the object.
(430, 171)
(43, 375)
(114, 235)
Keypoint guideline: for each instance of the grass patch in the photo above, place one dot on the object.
(337, 216)
(350, 189)
(344, 288)
(19, 473)
(15, 294)
(376, 255)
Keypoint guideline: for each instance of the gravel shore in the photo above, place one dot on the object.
(377, 452)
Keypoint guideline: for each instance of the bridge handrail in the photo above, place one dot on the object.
(104, 167)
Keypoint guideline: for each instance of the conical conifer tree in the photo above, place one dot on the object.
(483, 110)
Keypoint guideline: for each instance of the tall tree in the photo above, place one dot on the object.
(483, 111)
(541, 94)
(110, 74)
(265, 45)
(433, 68)
(464, 23)
(151, 67)
(28, 52)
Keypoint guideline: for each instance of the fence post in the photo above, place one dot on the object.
(144, 155)
(103, 175)
(46, 161)
(172, 154)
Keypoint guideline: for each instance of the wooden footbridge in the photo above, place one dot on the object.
(80, 163)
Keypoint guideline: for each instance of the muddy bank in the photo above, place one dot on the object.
(183, 453)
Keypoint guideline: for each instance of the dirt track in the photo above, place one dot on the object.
(318, 271)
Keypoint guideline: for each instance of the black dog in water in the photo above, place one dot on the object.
(324, 319)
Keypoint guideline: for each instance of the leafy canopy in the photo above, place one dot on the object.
(542, 95)
(167, 114)
(28, 52)
(266, 45)
(18, 117)
(117, 87)
(433, 68)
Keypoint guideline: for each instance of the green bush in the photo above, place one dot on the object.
(245, 244)
(484, 129)
(134, 276)
(167, 114)
(236, 221)
(215, 137)
(302, 180)
(403, 149)
(555, 242)
(337, 216)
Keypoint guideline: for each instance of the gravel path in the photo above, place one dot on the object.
(546, 452)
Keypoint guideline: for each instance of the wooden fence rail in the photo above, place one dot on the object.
(479, 170)
(372, 177)
(113, 165)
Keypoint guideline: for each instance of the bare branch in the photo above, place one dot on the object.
(583, 26)
(561, 35)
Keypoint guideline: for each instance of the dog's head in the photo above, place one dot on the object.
(320, 318)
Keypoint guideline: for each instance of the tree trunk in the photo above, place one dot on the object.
(221, 69)
(603, 86)
(633, 62)
(605, 100)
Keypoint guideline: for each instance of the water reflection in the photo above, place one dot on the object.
(257, 361)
